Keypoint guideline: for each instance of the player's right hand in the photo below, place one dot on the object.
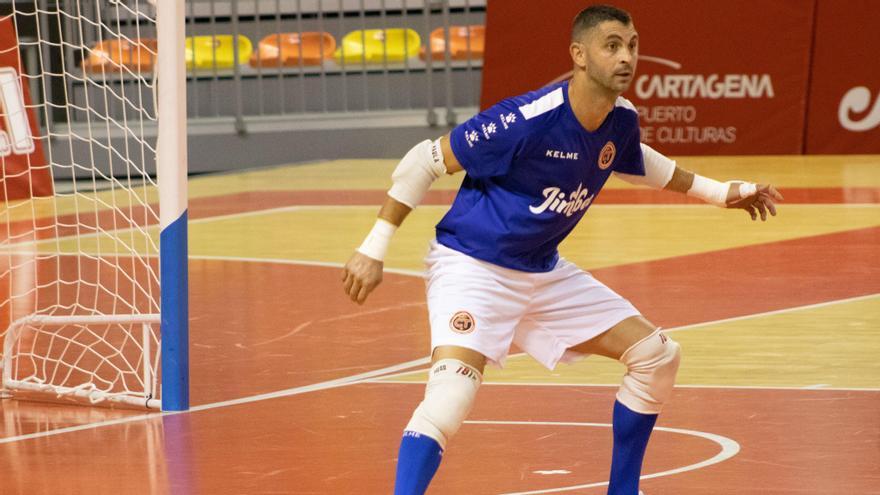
(360, 276)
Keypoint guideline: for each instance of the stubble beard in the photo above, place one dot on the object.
(608, 83)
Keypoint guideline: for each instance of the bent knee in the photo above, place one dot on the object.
(449, 398)
(652, 365)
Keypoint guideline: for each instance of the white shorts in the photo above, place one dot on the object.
(485, 307)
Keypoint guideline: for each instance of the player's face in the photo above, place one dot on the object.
(612, 52)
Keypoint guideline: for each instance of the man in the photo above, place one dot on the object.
(534, 165)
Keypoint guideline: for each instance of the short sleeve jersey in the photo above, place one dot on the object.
(532, 172)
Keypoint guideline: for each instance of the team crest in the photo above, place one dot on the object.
(606, 157)
(462, 322)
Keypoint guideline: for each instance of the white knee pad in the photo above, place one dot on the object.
(449, 397)
(651, 367)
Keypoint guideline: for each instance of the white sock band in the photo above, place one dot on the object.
(420, 167)
(449, 398)
(376, 243)
(652, 364)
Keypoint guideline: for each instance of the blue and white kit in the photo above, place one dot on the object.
(494, 273)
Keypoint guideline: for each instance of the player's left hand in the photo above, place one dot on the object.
(754, 198)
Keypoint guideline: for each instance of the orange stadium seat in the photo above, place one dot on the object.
(378, 45)
(113, 55)
(458, 43)
(203, 52)
(286, 49)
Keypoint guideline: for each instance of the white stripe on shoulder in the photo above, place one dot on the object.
(623, 102)
(543, 104)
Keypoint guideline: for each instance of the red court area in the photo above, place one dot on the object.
(286, 399)
(342, 438)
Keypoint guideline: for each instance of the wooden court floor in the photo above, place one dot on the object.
(297, 390)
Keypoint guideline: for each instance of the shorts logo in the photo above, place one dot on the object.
(663, 338)
(607, 155)
(462, 322)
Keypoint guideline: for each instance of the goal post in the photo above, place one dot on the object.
(171, 165)
(93, 210)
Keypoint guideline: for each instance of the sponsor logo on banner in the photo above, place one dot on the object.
(712, 86)
(606, 156)
(17, 138)
(462, 322)
(856, 101)
(677, 124)
(21, 153)
(555, 201)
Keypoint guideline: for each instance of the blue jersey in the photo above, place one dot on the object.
(532, 172)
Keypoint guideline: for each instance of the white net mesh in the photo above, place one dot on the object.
(81, 213)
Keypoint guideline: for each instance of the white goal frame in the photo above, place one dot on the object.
(163, 369)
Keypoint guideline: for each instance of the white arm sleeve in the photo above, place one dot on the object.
(420, 167)
(658, 170)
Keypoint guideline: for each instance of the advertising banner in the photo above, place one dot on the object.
(844, 103)
(24, 170)
(713, 77)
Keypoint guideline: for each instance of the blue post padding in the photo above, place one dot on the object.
(175, 315)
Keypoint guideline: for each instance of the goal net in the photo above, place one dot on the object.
(91, 239)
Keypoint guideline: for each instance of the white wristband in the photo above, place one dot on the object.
(709, 190)
(747, 189)
(712, 191)
(377, 241)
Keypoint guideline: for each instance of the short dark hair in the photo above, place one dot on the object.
(594, 15)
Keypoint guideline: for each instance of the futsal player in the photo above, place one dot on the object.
(534, 164)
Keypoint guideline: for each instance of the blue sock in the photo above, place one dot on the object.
(631, 433)
(417, 461)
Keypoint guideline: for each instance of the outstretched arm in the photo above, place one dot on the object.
(412, 178)
(663, 173)
(754, 198)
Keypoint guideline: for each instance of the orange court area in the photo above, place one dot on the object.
(297, 390)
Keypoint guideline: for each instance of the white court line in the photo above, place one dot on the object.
(254, 213)
(814, 388)
(340, 382)
(292, 208)
(696, 326)
(729, 448)
(421, 274)
(284, 261)
(190, 221)
(805, 307)
(780, 207)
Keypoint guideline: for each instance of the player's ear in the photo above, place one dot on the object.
(578, 52)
